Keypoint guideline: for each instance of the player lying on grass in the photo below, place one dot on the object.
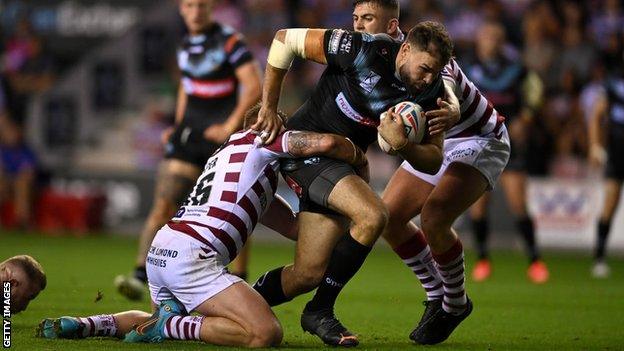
(187, 258)
(26, 278)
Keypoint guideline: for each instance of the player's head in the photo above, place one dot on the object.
(490, 39)
(26, 277)
(251, 116)
(376, 16)
(196, 14)
(427, 48)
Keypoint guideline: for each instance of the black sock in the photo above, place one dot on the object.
(481, 231)
(269, 285)
(140, 273)
(603, 235)
(347, 258)
(525, 226)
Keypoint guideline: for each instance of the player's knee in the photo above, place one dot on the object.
(373, 219)
(266, 334)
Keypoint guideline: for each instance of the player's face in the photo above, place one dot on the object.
(196, 14)
(417, 68)
(21, 290)
(370, 18)
(490, 39)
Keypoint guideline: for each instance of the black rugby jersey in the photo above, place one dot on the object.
(358, 84)
(208, 62)
(500, 80)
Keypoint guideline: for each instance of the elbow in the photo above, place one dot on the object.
(280, 35)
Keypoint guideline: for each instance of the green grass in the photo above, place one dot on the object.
(381, 304)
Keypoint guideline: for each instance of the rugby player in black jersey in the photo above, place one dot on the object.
(606, 138)
(215, 64)
(366, 75)
(516, 92)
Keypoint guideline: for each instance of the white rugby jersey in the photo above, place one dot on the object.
(232, 193)
(478, 116)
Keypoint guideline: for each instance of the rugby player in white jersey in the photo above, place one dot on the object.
(476, 150)
(187, 258)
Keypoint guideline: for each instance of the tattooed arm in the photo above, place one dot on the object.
(304, 144)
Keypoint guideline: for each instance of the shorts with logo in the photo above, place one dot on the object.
(488, 155)
(313, 179)
(180, 266)
(189, 145)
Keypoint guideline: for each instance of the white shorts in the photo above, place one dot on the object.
(488, 155)
(179, 266)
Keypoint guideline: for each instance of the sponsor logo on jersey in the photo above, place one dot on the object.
(209, 88)
(369, 82)
(180, 212)
(334, 41)
(346, 43)
(350, 112)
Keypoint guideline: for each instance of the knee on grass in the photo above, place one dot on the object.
(266, 334)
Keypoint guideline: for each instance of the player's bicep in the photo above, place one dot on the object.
(314, 47)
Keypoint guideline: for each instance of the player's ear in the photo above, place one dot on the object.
(393, 26)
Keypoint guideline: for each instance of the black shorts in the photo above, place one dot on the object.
(615, 150)
(517, 157)
(313, 179)
(189, 145)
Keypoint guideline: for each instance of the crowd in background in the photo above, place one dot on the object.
(571, 45)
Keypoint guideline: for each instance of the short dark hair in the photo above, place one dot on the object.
(252, 115)
(391, 5)
(32, 269)
(432, 37)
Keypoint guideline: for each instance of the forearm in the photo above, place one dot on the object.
(425, 158)
(281, 218)
(273, 79)
(305, 144)
(181, 105)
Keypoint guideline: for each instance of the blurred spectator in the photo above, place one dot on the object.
(540, 28)
(18, 166)
(27, 67)
(607, 21)
(148, 146)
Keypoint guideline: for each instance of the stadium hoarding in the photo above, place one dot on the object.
(566, 212)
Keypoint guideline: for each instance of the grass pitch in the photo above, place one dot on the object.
(382, 303)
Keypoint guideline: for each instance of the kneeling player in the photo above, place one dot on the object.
(187, 258)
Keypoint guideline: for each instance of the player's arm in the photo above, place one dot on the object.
(448, 113)
(287, 44)
(305, 144)
(597, 153)
(426, 157)
(248, 75)
(179, 114)
(281, 218)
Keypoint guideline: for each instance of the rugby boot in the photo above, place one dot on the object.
(538, 272)
(153, 329)
(325, 325)
(439, 326)
(130, 287)
(61, 328)
(430, 308)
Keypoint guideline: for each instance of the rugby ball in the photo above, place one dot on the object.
(414, 121)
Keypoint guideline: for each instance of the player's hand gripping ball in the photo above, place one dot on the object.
(414, 124)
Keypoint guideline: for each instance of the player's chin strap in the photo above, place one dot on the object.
(281, 55)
